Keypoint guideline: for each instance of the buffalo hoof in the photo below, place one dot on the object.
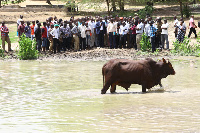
(103, 92)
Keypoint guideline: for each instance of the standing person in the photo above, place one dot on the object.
(64, 31)
(38, 37)
(139, 31)
(56, 34)
(164, 34)
(75, 33)
(19, 22)
(123, 35)
(69, 35)
(88, 36)
(91, 24)
(133, 36)
(32, 30)
(146, 28)
(106, 41)
(21, 29)
(50, 38)
(44, 36)
(181, 32)
(5, 36)
(175, 24)
(100, 27)
(152, 33)
(28, 30)
(158, 33)
(82, 29)
(48, 27)
(111, 30)
(192, 27)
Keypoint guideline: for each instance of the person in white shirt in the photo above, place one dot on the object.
(88, 36)
(56, 34)
(123, 35)
(164, 34)
(147, 28)
(91, 25)
(139, 32)
(111, 30)
(175, 24)
(82, 29)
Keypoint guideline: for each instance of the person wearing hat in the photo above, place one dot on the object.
(56, 34)
(5, 36)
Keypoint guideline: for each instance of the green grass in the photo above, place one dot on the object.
(13, 34)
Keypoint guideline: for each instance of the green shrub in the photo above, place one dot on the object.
(185, 48)
(145, 43)
(1, 51)
(186, 11)
(27, 48)
(147, 10)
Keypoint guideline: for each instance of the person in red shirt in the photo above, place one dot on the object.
(21, 28)
(32, 30)
(44, 36)
(5, 36)
(133, 35)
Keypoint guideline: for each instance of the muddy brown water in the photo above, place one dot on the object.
(65, 96)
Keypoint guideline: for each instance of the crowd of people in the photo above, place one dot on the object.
(58, 35)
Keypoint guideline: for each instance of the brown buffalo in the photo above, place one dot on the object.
(147, 73)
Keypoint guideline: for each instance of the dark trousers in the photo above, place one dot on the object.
(153, 43)
(48, 44)
(123, 41)
(192, 30)
(112, 40)
(39, 44)
(132, 41)
(128, 40)
(83, 43)
(101, 39)
(56, 45)
(158, 40)
(117, 40)
(64, 44)
(69, 43)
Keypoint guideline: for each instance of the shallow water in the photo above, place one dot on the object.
(65, 97)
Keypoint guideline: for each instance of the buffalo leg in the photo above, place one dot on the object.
(113, 88)
(105, 88)
(160, 84)
(143, 88)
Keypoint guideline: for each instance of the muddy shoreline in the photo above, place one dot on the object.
(95, 54)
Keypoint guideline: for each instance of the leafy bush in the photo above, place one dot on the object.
(145, 43)
(185, 48)
(186, 11)
(1, 51)
(147, 10)
(27, 48)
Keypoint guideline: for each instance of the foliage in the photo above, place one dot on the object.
(147, 10)
(185, 48)
(27, 48)
(145, 43)
(1, 52)
(186, 11)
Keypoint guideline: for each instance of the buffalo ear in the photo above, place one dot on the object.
(164, 61)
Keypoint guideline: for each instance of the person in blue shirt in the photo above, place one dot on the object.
(152, 33)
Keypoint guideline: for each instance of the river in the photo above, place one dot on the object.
(64, 96)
